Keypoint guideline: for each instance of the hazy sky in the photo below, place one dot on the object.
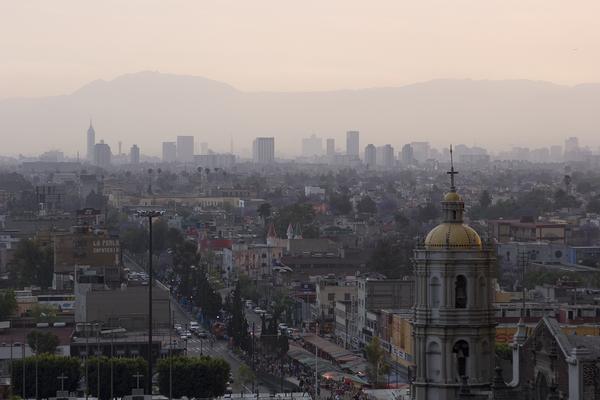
(54, 47)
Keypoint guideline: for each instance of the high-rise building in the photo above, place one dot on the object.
(134, 154)
(203, 148)
(454, 322)
(370, 156)
(420, 151)
(556, 153)
(102, 155)
(185, 148)
(91, 142)
(263, 150)
(572, 150)
(169, 152)
(407, 156)
(330, 147)
(385, 156)
(312, 146)
(352, 143)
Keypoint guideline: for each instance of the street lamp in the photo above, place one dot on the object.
(150, 214)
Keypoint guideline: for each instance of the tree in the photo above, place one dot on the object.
(503, 351)
(49, 368)
(264, 210)
(193, 377)
(32, 264)
(238, 326)
(123, 375)
(246, 375)
(428, 212)
(8, 304)
(376, 359)
(340, 203)
(593, 206)
(564, 200)
(485, 200)
(42, 342)
(391, 257)
(366, 205)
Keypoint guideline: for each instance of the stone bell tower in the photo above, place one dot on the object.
(454, 324)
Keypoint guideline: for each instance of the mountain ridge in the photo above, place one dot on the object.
(149, 107)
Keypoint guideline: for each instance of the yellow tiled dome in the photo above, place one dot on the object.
(453, 235)
(452, 196)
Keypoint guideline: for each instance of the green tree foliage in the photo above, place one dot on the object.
(391, 257)
(246, 375)
(340, 203)
(428, 212)
(134, 239)
(238, 326)
(366, 205)
(503, 351)
(49, 368)
(42, 342)
(32, 264)
(298, 213)
(194, 377)
(593, 206)
(564, 200)
(485, 200)
(8, 304)
(248, 289)
(264, 210)
(123, 371)
(377, 367)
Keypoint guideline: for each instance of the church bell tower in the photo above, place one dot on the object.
(454, 323)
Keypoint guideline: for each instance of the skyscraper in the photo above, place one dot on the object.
(352, 143)
(385, 156)
(407, 156)
(185, 148)
(312, 146)
(102, 155)
(91, 142)
(330, 147)
(263, 150)
(370, 156)
(134, 154)
(169, 152)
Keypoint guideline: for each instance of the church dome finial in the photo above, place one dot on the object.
(453, 233)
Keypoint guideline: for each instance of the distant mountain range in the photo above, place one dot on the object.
(150, 107)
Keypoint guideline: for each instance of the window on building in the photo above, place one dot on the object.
(434, 362)
(434, 287)
(331, 296)
(461, 351)
(460, 292)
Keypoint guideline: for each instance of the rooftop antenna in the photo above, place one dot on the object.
(452, 172)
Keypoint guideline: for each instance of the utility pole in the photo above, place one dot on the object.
(316, 364)
(150, 214)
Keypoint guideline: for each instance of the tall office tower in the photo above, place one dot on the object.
(420, 151)
(312, 146)
(407, 156)
(185, 148)
(134, 154)
(169, 152)
(203, 148)
(556, 154)
(385, 156)
(370, 156)
(330, 147)
(263, 150)
(572, 150)
(352, 143)
(102, 155)
(91, 142)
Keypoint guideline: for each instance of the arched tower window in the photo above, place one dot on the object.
(434, 288)
(434, 362)
(461, 351)
(482, 291)
(460, 292)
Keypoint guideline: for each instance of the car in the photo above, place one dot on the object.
(202, 334)
(259, 311)
(183, 336)
(282, 326)
(194, 326)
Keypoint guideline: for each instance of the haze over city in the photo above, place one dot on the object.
(527, 61)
